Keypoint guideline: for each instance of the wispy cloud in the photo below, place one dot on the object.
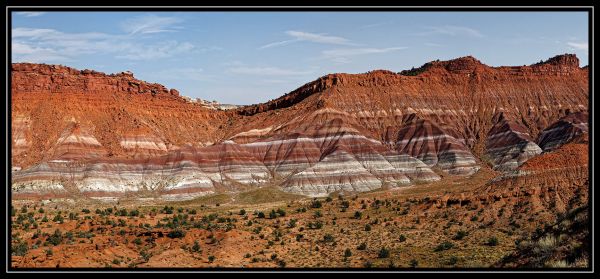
(159, 50)
(300, 36)
(41, 45)
(37, 54)
(30, 14)
(378, 24)
(452, 30)
(148, 24)
(343, 55)
(276, 44)
(267, 71)
(578, 45)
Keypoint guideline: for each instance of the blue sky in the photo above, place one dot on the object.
(251, 57)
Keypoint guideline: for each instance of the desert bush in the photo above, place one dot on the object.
(459, 235)
(383, 253)
(347, 253)
(316, 204)
(177, 233)
(446, 245)
(357, 215)
(362, 246)
(20, 249)
(492, 241)
(328, 238)
(196, 246)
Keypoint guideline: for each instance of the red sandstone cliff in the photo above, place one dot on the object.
(389, 128)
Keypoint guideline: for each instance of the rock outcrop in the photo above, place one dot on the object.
(91, 134)
(509, 145)
(435, 146)
(563, 131)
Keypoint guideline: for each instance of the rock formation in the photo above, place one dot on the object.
(563, 131)
(509, 145)
(86, 133)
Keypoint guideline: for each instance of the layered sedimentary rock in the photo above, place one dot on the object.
(182, 174)
(434, 146)
(564, 131)
(509, 145)
(128, 117)
(92, 134)
(326, 151)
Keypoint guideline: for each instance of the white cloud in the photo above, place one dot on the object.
(318, 38)
(31, 14)
(148, 24)
(26, 53)
(299, 36)
(276, 44)
(376, 24)
(267, 71)
(578, 45)
(38, 43)
(159, 50)
(452, 30)
(342, 55)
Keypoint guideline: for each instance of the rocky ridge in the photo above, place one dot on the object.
(104, 135)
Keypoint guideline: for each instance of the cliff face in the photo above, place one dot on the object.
(119, 114)
(342, 132)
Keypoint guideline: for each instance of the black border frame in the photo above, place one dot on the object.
(10, 9)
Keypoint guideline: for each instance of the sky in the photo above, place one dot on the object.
(253, 57)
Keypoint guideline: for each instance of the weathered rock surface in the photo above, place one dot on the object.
(563, 131)
(509, 145)
(435, 146)
(92, 134)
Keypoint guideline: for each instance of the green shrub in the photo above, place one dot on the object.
(58, 218)
(56, 238)
(196, 247)
(272, 214)
(383, 253)
(362, 246)
(347, 253)
(316, 204)
(176, 233)
(460, 235)
(446, 245)
(357, 215)
(492, 241)
(20, 249)
(281, 212)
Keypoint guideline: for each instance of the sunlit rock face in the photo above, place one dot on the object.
(564, 131)
(435, 146)
(509, 145)
(89, 134)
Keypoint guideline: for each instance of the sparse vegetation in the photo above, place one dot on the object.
(446, 245)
